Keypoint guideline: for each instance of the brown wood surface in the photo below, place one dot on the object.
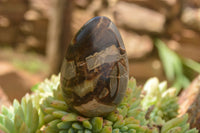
(59, 33)
(189, 102)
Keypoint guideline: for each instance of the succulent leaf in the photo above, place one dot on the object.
(45, 111)
(162, 99)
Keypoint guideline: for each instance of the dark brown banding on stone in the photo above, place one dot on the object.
(113, 81)
(118, 36)
(109, 55)
(123, 81)
(125, 60)
(84, 88)
(122, 70)
(100, 22)
(94, 73)
(103, 93)
(94, 108)
(69, 68)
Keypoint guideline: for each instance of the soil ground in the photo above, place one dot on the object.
(14, 81)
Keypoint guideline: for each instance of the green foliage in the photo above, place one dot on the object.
(32, 65)
(172, 65)
(125, 118)
(30, 61)
(20, 117)
(162, 100)
(175, 66)
(45, 111)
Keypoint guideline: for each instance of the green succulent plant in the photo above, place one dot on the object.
(45, 111)
(162, 100)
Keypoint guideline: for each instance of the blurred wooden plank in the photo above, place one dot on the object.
(59, 33)
(146, 68)
(14, 9)
(189, 102)
(8, 35)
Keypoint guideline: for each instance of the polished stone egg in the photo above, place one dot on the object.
(94, 73)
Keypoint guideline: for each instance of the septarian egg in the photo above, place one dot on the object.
(94, 73)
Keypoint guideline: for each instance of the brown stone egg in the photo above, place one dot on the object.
(94, 73)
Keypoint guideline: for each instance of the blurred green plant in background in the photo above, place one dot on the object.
(31, 62)
(177, 69)
(32, 65)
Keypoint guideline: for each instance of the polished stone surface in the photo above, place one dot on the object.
(94, 74)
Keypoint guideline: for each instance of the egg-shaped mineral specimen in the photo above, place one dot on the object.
(94, 73)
